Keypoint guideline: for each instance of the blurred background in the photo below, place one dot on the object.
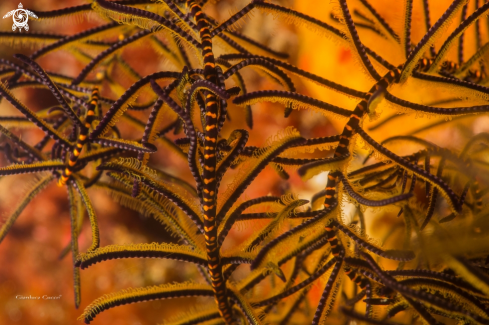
(29, 255)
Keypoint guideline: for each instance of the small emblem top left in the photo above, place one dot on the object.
(20, 17)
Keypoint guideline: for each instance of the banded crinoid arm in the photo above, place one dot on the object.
(52, 87)
(464, 68)
(450, 309)
(130, 295)
(454, 161)
(471, 302)
(59, 14)
(303, 248)
(351, 38)
(397, 255)
(430, 37)
(388, 183)
(317, 26)
(458, 33)
(279, 218)
(321, 143)
(185, 253)
(452, 198)
(208, 87)
(142, 18)
(250, 45)
(352, 35)
(236, 143)
(189, 131)
(234, 18)
(148, 136)
(54, 77)
(427, 22)
(118, 108)
(293, 69)
(361, 110)
(89, 67)
(160, 208)
(176, 194)
(209, 177)
(437, 110)
(469, 90)
(17, 121)
(38, 38)
(469, 272)
(73, 38)
(33, 152)
(276, 73)
(82, 138)
(274, 299)
(207, 314)
(243, 308)
(406, 39)
(353, 123)
(363, 23)
(261, 158)
(36, 167)
(177, 12)
(450, 69)
(364, 284)
(126, 144)
(360, 199)
(482, 137)
(78, 185)
(226, 224)
(238, 78)
(33, 117)
(291, 100)
(76, 221)
(283, 238)
(65, 12)
(379, 21)
(329, 294)
(433, 194)
(333, 284)
(352, 315)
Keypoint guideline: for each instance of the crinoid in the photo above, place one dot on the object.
(316, 259)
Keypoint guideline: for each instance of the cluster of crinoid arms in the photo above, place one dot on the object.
(295, 251)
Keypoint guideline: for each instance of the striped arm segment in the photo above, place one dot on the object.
(209, 194)
(82, 139)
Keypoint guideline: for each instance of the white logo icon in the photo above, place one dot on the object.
(20, 16)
